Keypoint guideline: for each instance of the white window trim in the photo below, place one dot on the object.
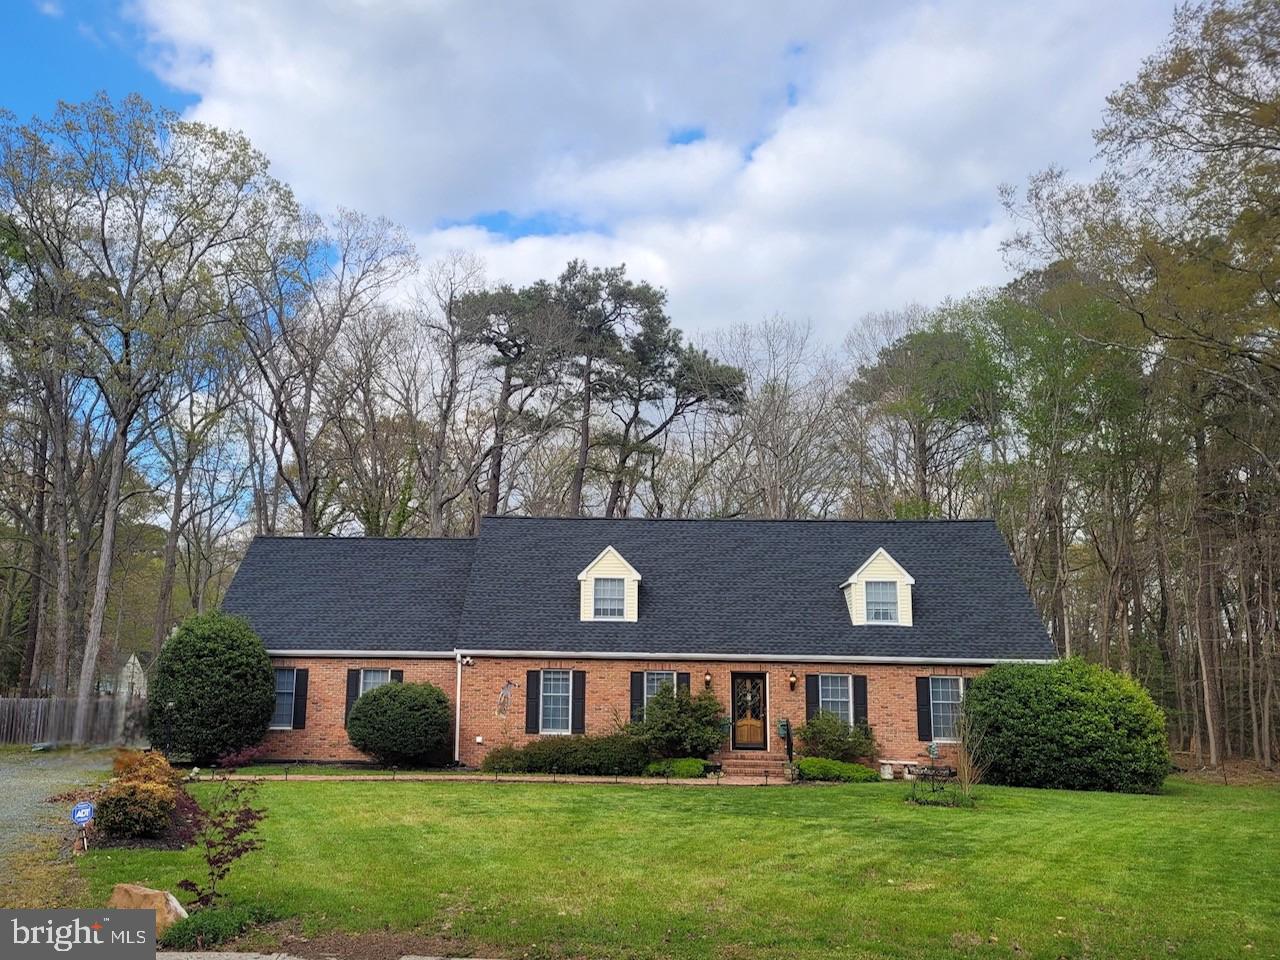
(289, 725)
(666, 673)
(602, 617)
(365, 670)
(848, 682)
(932, 718)
(542, 694)
(866, 605)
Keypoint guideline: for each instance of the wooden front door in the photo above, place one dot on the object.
(748, 711)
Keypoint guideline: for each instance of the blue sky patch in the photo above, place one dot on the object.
(542, 223)
(683, 135)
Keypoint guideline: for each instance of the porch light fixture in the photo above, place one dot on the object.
(792, 679)
(706, 679)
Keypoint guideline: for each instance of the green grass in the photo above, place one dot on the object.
(724, 872)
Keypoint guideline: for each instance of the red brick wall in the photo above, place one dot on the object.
(891, 699)
(325, 737)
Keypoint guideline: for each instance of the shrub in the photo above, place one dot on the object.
(213, 926)
(1069, 725)
(826, 735)
(216, 673)
(144, 767)
(677, 724)
(618, 753)
(225, 829)
(130, 809)
(401, 723)
(681, 768)
(822, 768)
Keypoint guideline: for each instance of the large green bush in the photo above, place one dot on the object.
(216, 673)
(1069, 725)
(401, 723)
(677, 724)
(823, 768)
(826, 735)
(617, 754)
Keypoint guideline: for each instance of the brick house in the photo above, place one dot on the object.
(547, 627)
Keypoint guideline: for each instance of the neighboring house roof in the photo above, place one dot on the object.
(358, 594)
(736, 588)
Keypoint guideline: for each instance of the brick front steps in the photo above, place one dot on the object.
(751, 764)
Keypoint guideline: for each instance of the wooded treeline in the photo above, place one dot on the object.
(191, 358)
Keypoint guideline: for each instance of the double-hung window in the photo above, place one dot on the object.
(556, 685)
(882, 601)
(282, 717)
(654, 681)
(373, 679)
(610, 603)
(945, 694)
(836, 696)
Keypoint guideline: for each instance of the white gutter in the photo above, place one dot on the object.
(369, 654)
(742, 658)
(458, 654)
(457, 706)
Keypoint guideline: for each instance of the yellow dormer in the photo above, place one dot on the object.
(879, 592)
(609, 589)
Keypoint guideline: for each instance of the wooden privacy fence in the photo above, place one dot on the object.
(112, 720)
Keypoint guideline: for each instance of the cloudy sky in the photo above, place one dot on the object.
(820, 160)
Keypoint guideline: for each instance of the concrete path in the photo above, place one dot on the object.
(27, 779)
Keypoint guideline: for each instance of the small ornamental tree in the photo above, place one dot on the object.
(213, 692)
(677, 724)
(401, 723)
(1069, 725)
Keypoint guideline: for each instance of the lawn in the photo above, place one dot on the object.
(725, 872)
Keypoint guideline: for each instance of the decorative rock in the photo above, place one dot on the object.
(130, 896)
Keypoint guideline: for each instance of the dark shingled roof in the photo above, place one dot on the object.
(335, 593)
(750, 587)
(731, 587)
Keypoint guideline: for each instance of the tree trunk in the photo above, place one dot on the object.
(61, 509)
(1207, 605)
(501, 416)
(98, 612)
(164, 602)
(30, 672)
(584, 444)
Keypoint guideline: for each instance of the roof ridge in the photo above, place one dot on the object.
(513, 516)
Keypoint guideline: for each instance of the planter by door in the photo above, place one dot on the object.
(749, 711)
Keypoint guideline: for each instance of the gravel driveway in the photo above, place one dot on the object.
(27, 778)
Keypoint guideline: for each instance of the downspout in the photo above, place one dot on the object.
(457, 705)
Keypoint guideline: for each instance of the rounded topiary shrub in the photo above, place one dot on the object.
(401, 723)
(216, 674)
(131, 809)
(1070, 725)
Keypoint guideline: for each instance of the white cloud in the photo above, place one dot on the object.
(842, 159)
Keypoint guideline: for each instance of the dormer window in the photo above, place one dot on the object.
(882, 601)
(610, 598)
(609, 589)
(878, 593)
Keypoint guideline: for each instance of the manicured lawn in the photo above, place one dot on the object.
(806, 872)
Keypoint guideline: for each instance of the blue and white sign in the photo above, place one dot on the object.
(82, 813)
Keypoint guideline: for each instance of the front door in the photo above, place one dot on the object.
(748, 711)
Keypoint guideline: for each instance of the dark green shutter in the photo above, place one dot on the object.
(682, 682)
(860, 700)
(397, 676)
(924, 710)
(300, 699)
(578, 702)
(532, 700)
(353, 691)
(810, 695)
(637, 695)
